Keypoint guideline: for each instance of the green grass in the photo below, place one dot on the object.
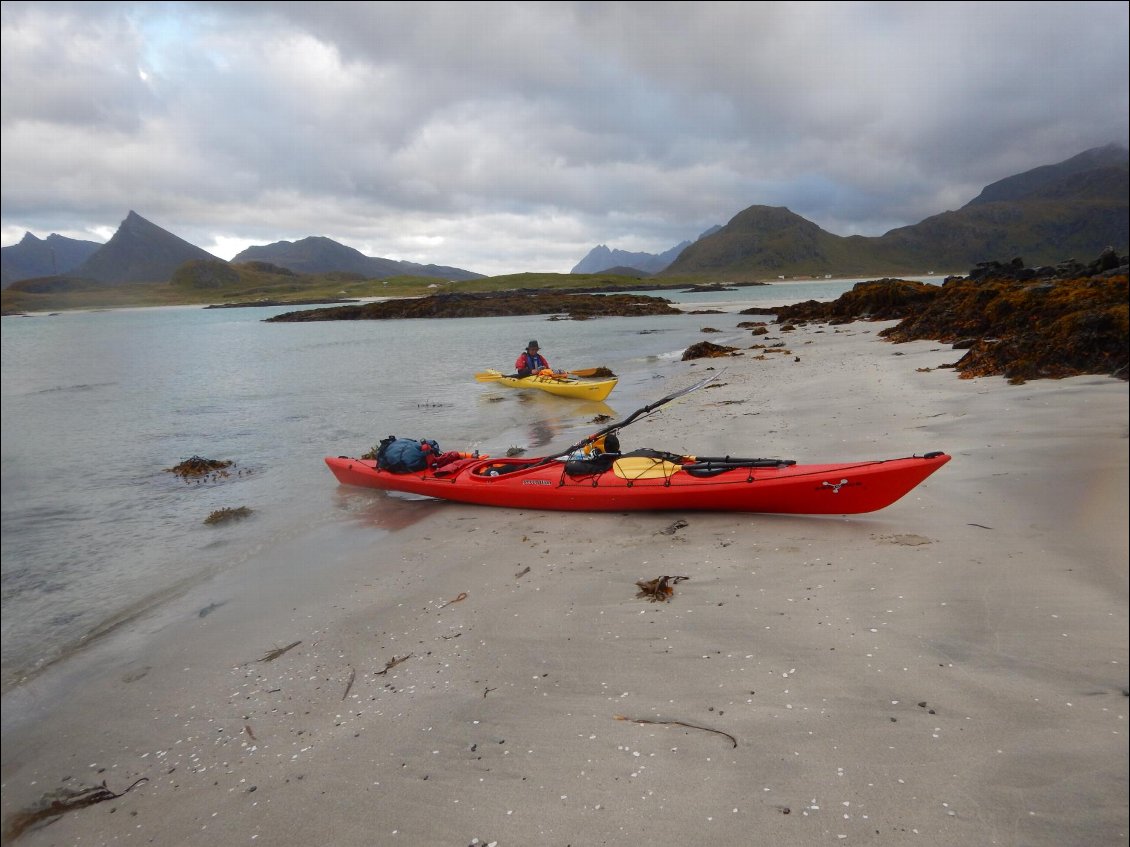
(255, 285)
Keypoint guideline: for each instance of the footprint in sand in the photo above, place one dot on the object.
(905, 540)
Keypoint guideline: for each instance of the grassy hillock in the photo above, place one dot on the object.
(207, 282)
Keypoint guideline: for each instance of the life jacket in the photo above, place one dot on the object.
(532, 363)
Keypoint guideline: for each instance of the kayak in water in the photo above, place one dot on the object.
(558, 384)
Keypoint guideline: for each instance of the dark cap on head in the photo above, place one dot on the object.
(534, 345)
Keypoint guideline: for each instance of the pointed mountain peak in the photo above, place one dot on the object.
(140, 251)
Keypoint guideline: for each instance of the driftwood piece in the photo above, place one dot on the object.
(733, 740)
(349, 685)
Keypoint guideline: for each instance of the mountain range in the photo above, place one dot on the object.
(318, 254)
(602, 258)
(1074, 208)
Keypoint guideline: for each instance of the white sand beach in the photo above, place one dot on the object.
(949, 671)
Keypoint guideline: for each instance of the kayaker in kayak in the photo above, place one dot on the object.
(531, 361)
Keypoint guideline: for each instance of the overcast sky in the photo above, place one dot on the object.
(508, 137)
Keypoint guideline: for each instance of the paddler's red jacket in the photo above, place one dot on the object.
(530, 363)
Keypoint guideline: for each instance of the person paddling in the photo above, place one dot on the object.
(531, 361)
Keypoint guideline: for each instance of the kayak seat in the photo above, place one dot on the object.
(498, 468)
(452, 468)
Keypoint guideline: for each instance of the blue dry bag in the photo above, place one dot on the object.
(405, 455)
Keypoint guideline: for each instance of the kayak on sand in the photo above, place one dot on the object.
(595, 476)
(650, 480)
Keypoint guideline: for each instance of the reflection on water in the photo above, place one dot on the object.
(543, 419)
(381, 510)
(542, 433)
(562, 420)
(566, 407)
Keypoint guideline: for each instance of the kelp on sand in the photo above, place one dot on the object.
(52, 806)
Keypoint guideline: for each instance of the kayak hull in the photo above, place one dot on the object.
(780, 488)
(582, 389)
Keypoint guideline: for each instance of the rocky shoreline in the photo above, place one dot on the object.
(1018, 322)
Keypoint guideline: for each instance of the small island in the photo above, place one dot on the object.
(576, 307)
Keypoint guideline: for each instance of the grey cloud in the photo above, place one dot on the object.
(506, 137)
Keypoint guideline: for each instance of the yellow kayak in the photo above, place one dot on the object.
(559, 385)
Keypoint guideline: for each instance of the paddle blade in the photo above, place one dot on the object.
(487, 376)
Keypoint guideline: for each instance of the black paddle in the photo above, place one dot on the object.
(634, 416)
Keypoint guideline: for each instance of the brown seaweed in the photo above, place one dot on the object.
(271, 655)
(198, 466)
(392, 663)
(53, 806)
(228, 514)
(462, 596)
(680, 723)
(660, 589)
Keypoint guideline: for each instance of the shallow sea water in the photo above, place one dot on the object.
(97, 535)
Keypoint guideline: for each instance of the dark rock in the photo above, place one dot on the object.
(477, 305)
(706, 350)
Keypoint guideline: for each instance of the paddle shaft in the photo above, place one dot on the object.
(494, 376)
(636, 415)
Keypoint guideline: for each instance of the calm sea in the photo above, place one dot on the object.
(98, 536)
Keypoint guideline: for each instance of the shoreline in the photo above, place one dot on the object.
(949, 670)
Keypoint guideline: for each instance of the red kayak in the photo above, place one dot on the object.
(652, 481)
(593, 476)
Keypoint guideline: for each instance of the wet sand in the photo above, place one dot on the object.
(951, 670)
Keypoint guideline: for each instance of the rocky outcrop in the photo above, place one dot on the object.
(879, 299)
(708, 350)
(1012, 321)
(479, 305)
